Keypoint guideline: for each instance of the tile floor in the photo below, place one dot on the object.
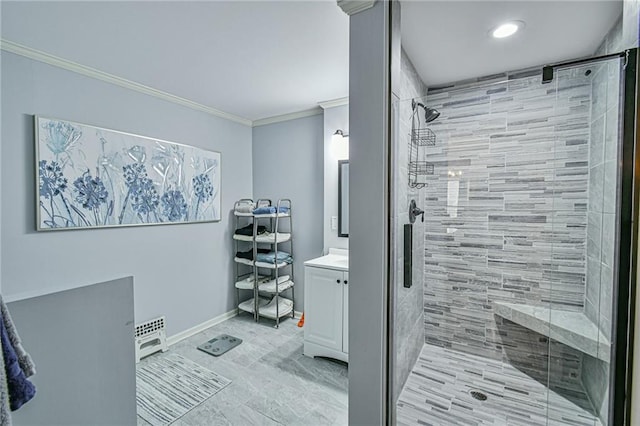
(273, 382)
(437, 393)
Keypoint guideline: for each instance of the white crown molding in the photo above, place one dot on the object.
(334, 103)
(56, 61)
(351, 7)
(287, 117)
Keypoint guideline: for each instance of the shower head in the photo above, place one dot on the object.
(430, 114)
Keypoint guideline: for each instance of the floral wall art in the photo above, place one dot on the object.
(89, 177)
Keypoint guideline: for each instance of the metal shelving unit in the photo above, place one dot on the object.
(267, 287)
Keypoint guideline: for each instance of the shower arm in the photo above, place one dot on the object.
(430, 114)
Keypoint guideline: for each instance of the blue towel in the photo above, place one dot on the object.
(270, 210)
(21, 390)
(272, 257)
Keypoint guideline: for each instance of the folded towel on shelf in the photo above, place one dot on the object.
(249, 253)
(244, 206)
(270, 210)
(248, 230)
(274, 257)
(272, 236)
(271, 286)
(261, 278)
(249, 281)
(282, 279)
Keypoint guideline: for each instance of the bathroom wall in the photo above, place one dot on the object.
(334, 118)
(408, 321)
(182, 271)
(506, 214)
(614, 41)
(369, 144)
(625, 33)
(288, 163)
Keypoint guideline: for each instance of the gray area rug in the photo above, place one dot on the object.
(167, 388)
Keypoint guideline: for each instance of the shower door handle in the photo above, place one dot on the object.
(408, 254)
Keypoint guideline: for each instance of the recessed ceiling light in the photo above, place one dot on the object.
(507, 29)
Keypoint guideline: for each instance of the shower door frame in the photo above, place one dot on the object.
(624, 317)
(624, 294)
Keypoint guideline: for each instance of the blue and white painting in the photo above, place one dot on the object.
(89, 177)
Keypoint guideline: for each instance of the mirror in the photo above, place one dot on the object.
(343, 198)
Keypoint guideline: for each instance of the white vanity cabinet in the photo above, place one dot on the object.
(326, 304)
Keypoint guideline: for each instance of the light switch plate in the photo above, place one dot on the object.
(334, 223)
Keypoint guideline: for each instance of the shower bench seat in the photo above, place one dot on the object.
(571, 328)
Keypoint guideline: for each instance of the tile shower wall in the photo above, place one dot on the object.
(603, 172)
(625, 32)
(601, 224)
(408, 323)
(506, 216)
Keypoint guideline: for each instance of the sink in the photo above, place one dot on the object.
(336, 259)
(344, 261)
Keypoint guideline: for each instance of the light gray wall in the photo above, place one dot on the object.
(369, 116)
(81, 341)
(625, 32)
(181, 271)
(408, 318)
(288, 163)
(334, 118)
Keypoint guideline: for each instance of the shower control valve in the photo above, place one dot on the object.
(414, 212)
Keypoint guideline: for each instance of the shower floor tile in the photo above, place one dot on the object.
(437, 393)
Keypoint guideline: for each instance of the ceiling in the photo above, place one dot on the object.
(253, 59)
(449, 41)
(258, 59)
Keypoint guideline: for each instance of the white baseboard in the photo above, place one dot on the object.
(172, 340)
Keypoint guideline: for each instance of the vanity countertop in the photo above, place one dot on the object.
(337, 259)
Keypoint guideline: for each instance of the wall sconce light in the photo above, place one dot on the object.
(338, 136)
(340, 145)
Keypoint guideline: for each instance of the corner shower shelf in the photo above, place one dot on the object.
(571, 328)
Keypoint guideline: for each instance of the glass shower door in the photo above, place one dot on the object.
(586, 215)
(519, 255)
